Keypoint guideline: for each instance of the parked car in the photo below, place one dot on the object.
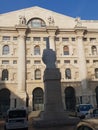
(92, 113)
(87, 124)
(82, 110)
(16, 119)
(95, 112)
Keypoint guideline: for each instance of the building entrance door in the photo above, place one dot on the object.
(96, 91)
(70, 99)
(38, 99)
(4, 101)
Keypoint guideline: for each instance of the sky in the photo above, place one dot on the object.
(85, 9)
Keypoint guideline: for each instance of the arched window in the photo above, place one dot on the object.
(96, 73)
(5, 50)
(5, 74)
(65, 50)
(36, 50)
(36, 22)
(68, 73)
(37, 74)
(94, 50)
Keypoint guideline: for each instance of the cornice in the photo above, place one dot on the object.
(44, 29)
(52, 30)
(37, 30)
(66, 29)
(7, 28)
(92, 30)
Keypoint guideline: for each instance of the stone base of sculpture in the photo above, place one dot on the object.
(54, 113)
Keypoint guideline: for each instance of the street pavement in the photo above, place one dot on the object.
(48, 128)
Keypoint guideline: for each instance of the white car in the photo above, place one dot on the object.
(87, 124)
(16, 119)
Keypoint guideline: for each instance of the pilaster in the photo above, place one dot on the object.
(21, 57)
(52, 32)
(82, 61)
(21, 65)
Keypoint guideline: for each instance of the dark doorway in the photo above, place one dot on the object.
(96, 91)
(70, 99)
(4, 101)
(38, 99)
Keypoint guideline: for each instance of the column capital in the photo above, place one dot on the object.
(52, 30)
(80, 31)
(22, 29)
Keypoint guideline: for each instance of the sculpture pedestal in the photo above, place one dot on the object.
(53, 106)
(54, 113)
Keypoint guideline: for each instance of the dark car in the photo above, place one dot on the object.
(95, 112)
(92, 113)
(83, 109)
(16, 119)
(87, 124)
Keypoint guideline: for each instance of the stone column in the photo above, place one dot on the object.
(52, 32)
(82, 63)
(21, 62)
(52, 42)
(21, 66)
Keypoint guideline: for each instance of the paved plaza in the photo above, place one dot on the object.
(51, 128)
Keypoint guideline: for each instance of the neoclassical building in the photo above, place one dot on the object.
(23, 37)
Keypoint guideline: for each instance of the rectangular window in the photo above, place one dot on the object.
(75, 61)
(37, 62)
(14, 38)
(28, 38)
(5, 61)
(6, 38)
(84, 39)
(36, 38)
(14, 61)
(45, 38)
(87, 61)
(65, 39)
(73, 38)
(95, 61)
(92, 39)
(66, 61)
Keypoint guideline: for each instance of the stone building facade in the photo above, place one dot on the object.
(23, 37)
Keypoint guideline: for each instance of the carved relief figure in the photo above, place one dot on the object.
(22, 20)
(51, 21)
(79, 23)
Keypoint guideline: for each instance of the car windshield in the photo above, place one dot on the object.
(95, 111)
(17, 114)
(85, 107)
